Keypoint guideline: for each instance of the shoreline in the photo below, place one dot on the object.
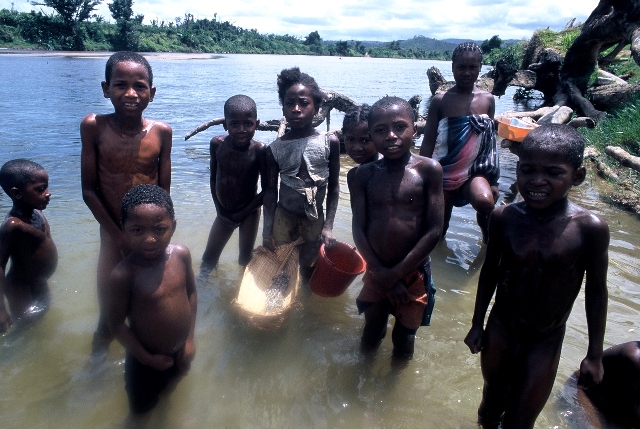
(107, 54)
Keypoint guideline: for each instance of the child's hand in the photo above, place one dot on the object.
(383, 278)
(474, 338)
(591, 372)
(185, 356)
(160, 362)
(398, 294)
(269, 242)
(327, 238)
(5, 320)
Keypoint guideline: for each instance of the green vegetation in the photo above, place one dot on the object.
(71, 28)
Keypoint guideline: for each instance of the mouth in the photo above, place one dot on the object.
(130, 105)
(537, 195)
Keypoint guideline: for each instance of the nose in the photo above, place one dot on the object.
(131, 92)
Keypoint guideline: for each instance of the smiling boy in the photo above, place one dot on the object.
(120, 150)
(236, 162)
(539, 250)
(397, 221)
(25, 238)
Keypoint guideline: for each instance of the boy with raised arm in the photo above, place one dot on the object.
(25, 238)
(538, 253)
(397, 221)
(120, 150)
(236, 162)
(153, 289)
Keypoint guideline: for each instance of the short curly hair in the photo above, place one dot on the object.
(466, 47)
(146, 194)
(387, 102)
(17, 173)
(289, 77)
(564, 138)
(123, 57)
(355, 116)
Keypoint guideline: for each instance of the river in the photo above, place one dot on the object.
(311, 372)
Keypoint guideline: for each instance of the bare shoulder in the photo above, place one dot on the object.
(161, 127)
(257, 146)
(590, 223)
(181, 251)
(334, 143)
(93, 123)
(426, 166)
(217, 141)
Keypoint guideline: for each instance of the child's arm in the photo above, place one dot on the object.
(359, 218)
(487, 283)
(596, 250)
(5, 248)
(270, 199)
(119, 287)
(431, 127)
(214, 145)
(186, 355)
(333, 191)
(164, 161)
(89, 178)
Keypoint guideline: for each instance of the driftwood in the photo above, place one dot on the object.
(623, 157)
(603, 170)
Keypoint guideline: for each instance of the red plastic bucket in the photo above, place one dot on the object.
(336, 269)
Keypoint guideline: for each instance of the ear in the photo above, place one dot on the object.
(153, 93)
(175, 223)
(15, 193)
(224, 125)
(257, 122)
(105, 89)
(579, 175)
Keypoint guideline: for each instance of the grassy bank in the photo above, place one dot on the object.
(621, 128)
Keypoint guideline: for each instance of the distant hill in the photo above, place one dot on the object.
(427, 43)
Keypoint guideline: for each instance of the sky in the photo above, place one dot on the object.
(383, 20)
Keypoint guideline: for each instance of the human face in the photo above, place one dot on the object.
(359, 145)
(298, 106)
(129, 89)
(147, 230)
(241, 126)
(544, 177)
(466, 69)
(392, 131)
(35, 194)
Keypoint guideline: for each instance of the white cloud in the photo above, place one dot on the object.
(372, 20)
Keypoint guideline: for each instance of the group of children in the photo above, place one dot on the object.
(538, 250)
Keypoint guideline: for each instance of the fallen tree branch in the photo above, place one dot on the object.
(623, 157)
(603, 169)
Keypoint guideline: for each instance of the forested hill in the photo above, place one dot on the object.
(68, 31)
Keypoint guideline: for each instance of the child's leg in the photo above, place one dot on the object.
(110, 255)
(375, 327)
(496, 360)
(480, 195)
(219, 235)
(448, 209)
(533, 379)
(403, 340)
(248, 232)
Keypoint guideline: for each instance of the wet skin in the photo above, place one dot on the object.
(397, 218)
(463, 99)
(25, 238)
(236, 162)
(538, 253)
(119, 151)
(154, 289)
(298, 108)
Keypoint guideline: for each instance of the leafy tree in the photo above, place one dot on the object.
(342, 48)
(72, 12)
(127, 37)
(313, 39)
(488, 45)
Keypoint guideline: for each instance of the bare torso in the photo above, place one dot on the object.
(237, 172)
(542, 266)
(159, 313)
(396, 208)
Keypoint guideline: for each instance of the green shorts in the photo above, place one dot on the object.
(287, 227)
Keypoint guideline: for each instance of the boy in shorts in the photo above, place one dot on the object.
(25, 238)
(119, 151)
(153, 289)
(236, 162)
(397, 221)
(538, 253)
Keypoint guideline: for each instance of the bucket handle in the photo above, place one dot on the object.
(330, 261)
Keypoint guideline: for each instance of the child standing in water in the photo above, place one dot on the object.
(236, 162)
(153, 288)
(120, 150)
(308, 163)
(25, 238)
(397, 221)
(460, 134)
(538, 254)
(357, 141)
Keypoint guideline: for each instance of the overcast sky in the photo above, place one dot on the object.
(383, 20)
